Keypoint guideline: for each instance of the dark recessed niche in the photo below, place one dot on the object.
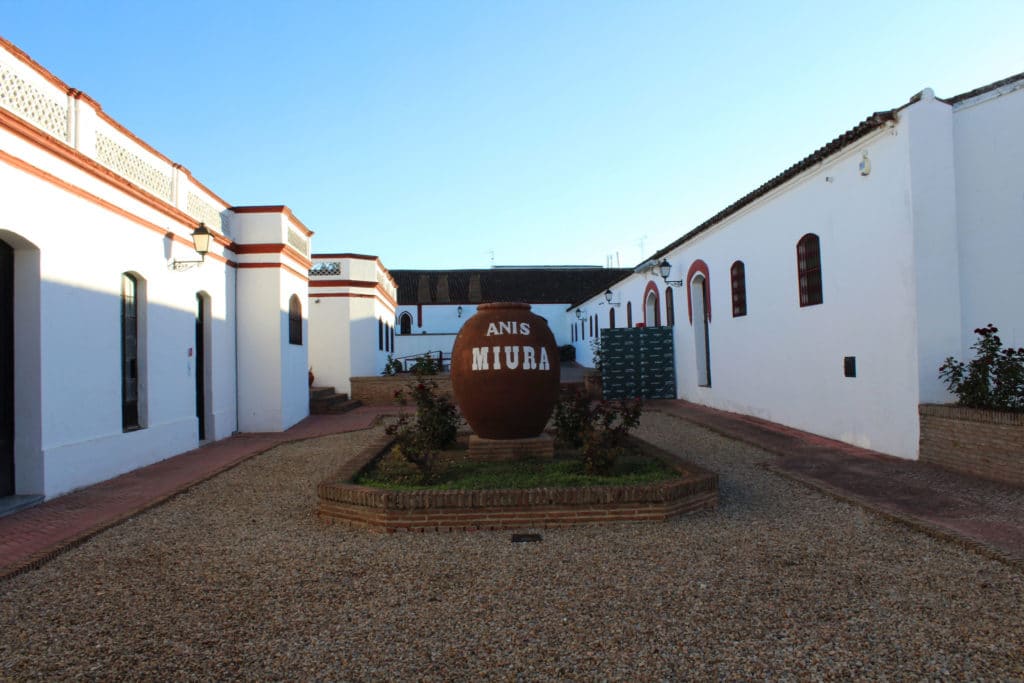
(850, 366)
(526, 538)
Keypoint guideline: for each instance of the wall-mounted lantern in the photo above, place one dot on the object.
(201, 237)
(608, 296)
(665, 268)
(458, 311)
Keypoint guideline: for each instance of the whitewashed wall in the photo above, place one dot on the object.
(782, 362)
(71, 253)
(441, 324)
(988, 136)
(345, 311)
(273, 387)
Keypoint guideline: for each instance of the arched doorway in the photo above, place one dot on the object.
(21, 461)
(701, 333)
(650, 310)
(6, 369)
(405, 324)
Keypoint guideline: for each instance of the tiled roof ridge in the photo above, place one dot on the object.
(956, 99)
(868, 125)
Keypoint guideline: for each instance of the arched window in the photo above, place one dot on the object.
(380, 334)
(295, 320)
(597, 326)
(739, 289)
(670, 307)
(629, 314)
(808, 265)
(392, 328)
(611, 318)
(131, 356)
(405, 322)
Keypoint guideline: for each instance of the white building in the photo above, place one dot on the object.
(434, 304)
(117, 347)
(827, 298)
(352, 318)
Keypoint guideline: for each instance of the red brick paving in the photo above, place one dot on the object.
(30, 537)
(981, 514)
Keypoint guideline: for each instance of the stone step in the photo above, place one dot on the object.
(320, 392)
(331, 404)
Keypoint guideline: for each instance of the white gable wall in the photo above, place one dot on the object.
(988, 135)
(929, 139)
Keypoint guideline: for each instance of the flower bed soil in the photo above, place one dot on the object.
(339, 500)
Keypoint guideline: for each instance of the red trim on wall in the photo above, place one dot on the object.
(99, 201)
(270, 248)
(698, 266)
(350, 295)
(360, 257)
(277, 208)
(419, 315)
(64, 152)
(282, 266)
(651, 287)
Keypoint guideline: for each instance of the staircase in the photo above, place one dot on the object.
(325, 401)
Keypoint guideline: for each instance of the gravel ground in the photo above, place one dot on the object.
(237, 580)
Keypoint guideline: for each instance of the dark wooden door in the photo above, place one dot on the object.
(6, 370)
(200, 366)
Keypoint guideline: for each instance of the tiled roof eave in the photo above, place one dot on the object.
(864, 128)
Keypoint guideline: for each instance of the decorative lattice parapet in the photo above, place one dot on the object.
(133, 166)
(201, 210)
(325, 269)
(300, 243)
(46, 110)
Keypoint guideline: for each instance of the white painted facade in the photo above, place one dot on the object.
(433, 327)
(85, 203)
(925, 247)
(352, 318)
(916, 253)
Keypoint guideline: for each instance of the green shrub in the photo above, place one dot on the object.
(426, 365)
(435, 425)
(392, 366)
(599, 429)
(994, 379)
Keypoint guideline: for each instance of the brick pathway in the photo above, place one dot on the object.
(984, 515)
(30, 537)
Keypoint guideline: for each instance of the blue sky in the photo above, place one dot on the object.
(435, 133)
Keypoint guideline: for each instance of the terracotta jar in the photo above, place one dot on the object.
(505, 371)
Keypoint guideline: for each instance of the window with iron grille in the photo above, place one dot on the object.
(629, 314)
(808, 263)
(670, 307)
(611, 318)
(739, 289)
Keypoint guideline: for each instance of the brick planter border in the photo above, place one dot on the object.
(983, 443)
(380, 390)
(341, 501)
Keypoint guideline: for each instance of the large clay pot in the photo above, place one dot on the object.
(505, 371)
